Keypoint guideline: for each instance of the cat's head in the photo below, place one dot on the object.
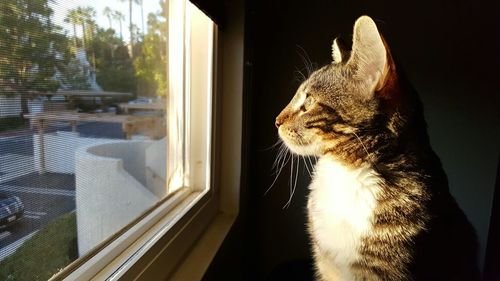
(342, 100)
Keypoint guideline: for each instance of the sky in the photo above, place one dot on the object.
(61, 8)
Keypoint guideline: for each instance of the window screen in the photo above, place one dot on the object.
(93, 130)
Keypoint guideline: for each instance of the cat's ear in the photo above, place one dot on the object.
(338, 53)
(369, 55)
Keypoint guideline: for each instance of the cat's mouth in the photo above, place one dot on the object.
(297, 143)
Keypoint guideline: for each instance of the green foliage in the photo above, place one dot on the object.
(34, 51)
(11, 123)
(49, 250)
(85, 18)
(106, 51)
(108, 12)
(29, 42)
(113, 63)
(74, 75)
(29, 46)
(117, 15)
(116, 80)
(151, 64)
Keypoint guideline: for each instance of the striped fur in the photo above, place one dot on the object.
(379, 207)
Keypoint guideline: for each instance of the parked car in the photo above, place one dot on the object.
(11, 210)
(141, 101)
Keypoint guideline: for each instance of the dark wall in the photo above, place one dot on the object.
(448, 49)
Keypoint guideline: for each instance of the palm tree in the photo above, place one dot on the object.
(74, 18)
(89, 15)
(83, 16)
(107, 12)
(141, 2)
(130, 25)
(81, 21)
(119, 17)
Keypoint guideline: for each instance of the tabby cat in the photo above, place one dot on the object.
(379, 207)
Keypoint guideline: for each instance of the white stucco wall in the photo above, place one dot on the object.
(10, 105)
(61, 146)
(107, 196)
(133, 154)
(116, 180)
(156, 167)
(113, 186)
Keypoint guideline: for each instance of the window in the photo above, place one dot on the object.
(106, 133)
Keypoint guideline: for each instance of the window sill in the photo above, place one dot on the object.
(121, 254)
(197, 261)
(184, 252)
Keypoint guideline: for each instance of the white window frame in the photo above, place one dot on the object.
(158, 241)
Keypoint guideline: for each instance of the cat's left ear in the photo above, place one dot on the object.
(338, 53)
(369, 55)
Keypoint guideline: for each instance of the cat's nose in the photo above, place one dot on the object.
(278, 123)
(282, 117)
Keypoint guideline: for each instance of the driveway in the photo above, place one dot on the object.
(46, 196)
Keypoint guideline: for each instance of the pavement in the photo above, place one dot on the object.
(46, 196)
(89, 129)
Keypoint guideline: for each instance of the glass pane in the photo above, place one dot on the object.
(85, 101)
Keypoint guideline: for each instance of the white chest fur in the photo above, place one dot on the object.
(340, 207)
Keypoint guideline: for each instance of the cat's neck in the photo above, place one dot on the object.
(349, 160)
(331, 169)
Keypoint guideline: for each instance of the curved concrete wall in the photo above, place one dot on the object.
(59, 150)
(132, 154)
(156, 167)
(110, 189)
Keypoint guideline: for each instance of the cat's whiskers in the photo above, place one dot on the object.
(281, 160)
(310, 162)
(290, 183)
(292, 189)
(302, 77)
(282, 150)
(307, 166)
(294, 180)
(362, 144)
(306, 60)
(278, 142)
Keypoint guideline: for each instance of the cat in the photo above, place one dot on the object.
(379, 207)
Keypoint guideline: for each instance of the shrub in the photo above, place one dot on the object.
(47, 252)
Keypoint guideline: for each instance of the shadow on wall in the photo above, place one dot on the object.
(450, 57)
(115, 183)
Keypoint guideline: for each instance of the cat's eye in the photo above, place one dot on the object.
(307, 103)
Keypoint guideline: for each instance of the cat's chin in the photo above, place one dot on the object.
(304, 150)
(300, 147)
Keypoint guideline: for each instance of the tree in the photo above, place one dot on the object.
(85, 17)
(130, 24)
(31, 48)
(107, 12)
(151, 64)
(141, 2)
(89, 14)
(115, 71)
(80, 17)
(119, 17)
(73, 17)
(74, 75)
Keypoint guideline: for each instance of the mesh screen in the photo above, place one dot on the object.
(83, 88)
